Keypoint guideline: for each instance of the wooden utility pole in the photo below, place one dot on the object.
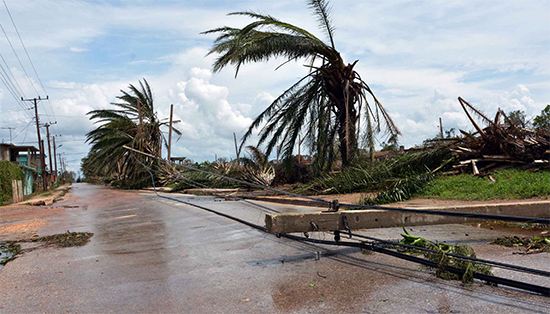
(40, 146)
(441, 128)
(236, 149)
(54, 159)
(60, 164)
(170, 132)
(47, 125)
(44, 177)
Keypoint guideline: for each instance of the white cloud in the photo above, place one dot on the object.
(418, 57)
(77, 49)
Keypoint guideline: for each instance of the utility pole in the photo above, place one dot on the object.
(40, 147)
(60, 164)
(170, 132)
(44, 178)
(236, 149)
(9, 128)
(47, 125)
(441, 129)
(54, 159)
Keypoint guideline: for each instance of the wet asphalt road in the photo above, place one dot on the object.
(154, 255)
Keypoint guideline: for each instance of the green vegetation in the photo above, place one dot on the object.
(443, 260)
(325, 106)
(542, 121)
(8, 172)
(374, 176)
(9, 252)
(510, 183)
(133, 123)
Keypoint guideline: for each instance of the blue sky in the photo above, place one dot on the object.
(418, 57)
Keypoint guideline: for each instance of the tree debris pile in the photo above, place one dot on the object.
(503, 143)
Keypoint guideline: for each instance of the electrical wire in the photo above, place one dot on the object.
(416, 211)
(13, 76)
(28, 124)
(18, 59)
(373, 247)
(377, 240)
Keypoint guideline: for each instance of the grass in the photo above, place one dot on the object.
(511, 184)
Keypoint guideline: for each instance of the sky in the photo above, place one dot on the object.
(417, 56)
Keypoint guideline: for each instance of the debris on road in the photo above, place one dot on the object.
(66, 239)
(528, 245)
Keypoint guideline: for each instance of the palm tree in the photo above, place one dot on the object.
(325, 104)
(134, 123)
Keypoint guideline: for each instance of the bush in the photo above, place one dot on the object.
(296, 173)
(8, 172)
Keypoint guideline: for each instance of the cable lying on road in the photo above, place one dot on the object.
(375, 247)
(417, 211)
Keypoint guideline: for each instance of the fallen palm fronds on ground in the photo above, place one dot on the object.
(528, 245)
(66, 239)
(501, 144)
(442, 258)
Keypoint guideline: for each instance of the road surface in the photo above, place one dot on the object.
(153, 255)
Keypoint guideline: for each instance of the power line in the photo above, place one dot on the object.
(17, 99)
(28, 124)
(374, 247)
(18, 59)
(13, 76)
(30, 61)
(8, 79)
(24, 48)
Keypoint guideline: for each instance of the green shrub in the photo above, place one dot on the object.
(8, 172)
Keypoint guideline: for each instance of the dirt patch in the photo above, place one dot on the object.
(21, 230)
(526, 244)
(66, 239)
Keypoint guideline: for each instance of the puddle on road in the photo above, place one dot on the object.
(7, 253)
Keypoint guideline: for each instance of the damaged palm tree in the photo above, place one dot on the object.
(501, 144)
(325, 105)
(257, 168)
(132, 122)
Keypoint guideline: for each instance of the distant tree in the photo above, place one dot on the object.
(542, 121)
(391, 145)
(450, 133)
(517, 118)
(325, 105)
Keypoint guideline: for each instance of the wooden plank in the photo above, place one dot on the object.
(371, 219)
